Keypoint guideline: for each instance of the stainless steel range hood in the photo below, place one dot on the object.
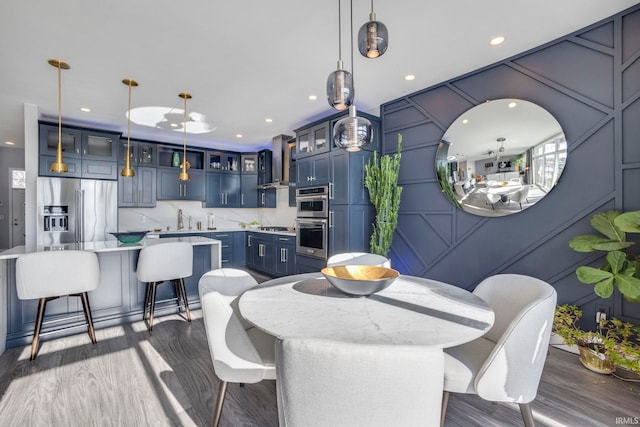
(280, 161)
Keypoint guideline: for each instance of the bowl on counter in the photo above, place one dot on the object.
(360, 280)
(129, 236)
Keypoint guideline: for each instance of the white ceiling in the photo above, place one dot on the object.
(244, 61)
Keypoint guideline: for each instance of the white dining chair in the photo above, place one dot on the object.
(505, 365)
(520, 195)
(46, 276)
(492, 199)
(330, 383)
(358, 258)
(163, 262)
(240, 352)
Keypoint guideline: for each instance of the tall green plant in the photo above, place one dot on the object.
(381, 179)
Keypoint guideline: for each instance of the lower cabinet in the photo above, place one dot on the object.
(272, 254)
(350, 228)
(232, 248)
(285, 249)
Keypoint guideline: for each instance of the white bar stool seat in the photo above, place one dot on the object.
(165, 262)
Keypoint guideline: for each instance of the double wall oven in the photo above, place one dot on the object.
(312, 222)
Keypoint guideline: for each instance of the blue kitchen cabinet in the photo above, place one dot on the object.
(249, 190)
(138, 190)
(222, 190)
(312, 171)
(350, 228)
(285, 255)
(169, 187)
(346, 177)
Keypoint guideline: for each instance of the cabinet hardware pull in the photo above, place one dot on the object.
(331, 191)
(330, 219)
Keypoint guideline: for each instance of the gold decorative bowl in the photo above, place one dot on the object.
(360, 280)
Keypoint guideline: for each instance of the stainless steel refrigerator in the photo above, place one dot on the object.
(76, 210)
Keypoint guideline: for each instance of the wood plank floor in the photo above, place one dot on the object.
(134, 378)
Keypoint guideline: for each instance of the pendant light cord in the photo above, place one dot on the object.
(371, 6)
(339, 32)
(59, 103)
(352, 65)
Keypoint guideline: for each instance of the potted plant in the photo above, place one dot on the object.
(381, 179)
(615, 344)
(621, 268)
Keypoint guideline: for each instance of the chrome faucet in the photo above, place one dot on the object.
(180, 223)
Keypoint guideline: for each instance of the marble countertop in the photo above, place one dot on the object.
(106, 246)
(412, 311)
(219, 230)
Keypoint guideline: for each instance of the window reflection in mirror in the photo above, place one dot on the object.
(501, 157)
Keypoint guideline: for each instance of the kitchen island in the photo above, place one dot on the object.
(119, 298)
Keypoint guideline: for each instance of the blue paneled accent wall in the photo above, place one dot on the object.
(590, 82)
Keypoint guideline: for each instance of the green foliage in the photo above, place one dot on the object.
(621, 267)
(381, 179)
(447, 188)
(617, 340)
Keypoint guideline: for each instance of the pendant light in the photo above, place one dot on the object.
(373, 37)
(184, 175)
(59, 165)
(340, 90)
(127, 172)
(352, 132)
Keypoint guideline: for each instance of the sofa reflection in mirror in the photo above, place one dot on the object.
(501, 157)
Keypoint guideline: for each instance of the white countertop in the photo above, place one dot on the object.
(106, 246)
(412, 311)
(219, 230)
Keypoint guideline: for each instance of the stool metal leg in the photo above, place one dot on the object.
(222, 391)
(184, 298)
(154, 285)
(146, 301)
(42, 303)
(87, 315)
(176, 285)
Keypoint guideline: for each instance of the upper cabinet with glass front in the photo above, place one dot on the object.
(71, 140)
(142, 153)
(249, 163)
(223, 161)
(313, 140)
(77, 142)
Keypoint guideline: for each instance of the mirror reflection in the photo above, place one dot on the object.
(501, 157)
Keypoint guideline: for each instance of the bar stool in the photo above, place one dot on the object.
(162, 263)
(49, 275)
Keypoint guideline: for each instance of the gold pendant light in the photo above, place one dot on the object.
(127, 172)
(59, 165)
(184, 175)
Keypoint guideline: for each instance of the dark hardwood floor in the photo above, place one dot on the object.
(134, 378)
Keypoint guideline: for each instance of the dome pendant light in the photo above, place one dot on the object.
(184, 175)
(352, 133)
(59, 165)
(373, 37)
(127, 172)
(340, 90)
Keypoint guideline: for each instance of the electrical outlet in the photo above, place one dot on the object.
(602, 313)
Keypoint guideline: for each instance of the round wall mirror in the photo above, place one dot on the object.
(501, 157)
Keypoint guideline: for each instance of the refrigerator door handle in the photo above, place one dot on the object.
(80, 215)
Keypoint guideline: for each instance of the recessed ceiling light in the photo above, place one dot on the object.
(512, 105)
(85, 109)
(465, 121)
(174, 125)
(268, 120)
(497, 40)
(10, 143)
(409, 77)
(312, 97)
(239, 135)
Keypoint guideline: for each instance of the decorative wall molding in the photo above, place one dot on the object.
(590, 81)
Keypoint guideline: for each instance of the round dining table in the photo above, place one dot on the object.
(411, 311)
